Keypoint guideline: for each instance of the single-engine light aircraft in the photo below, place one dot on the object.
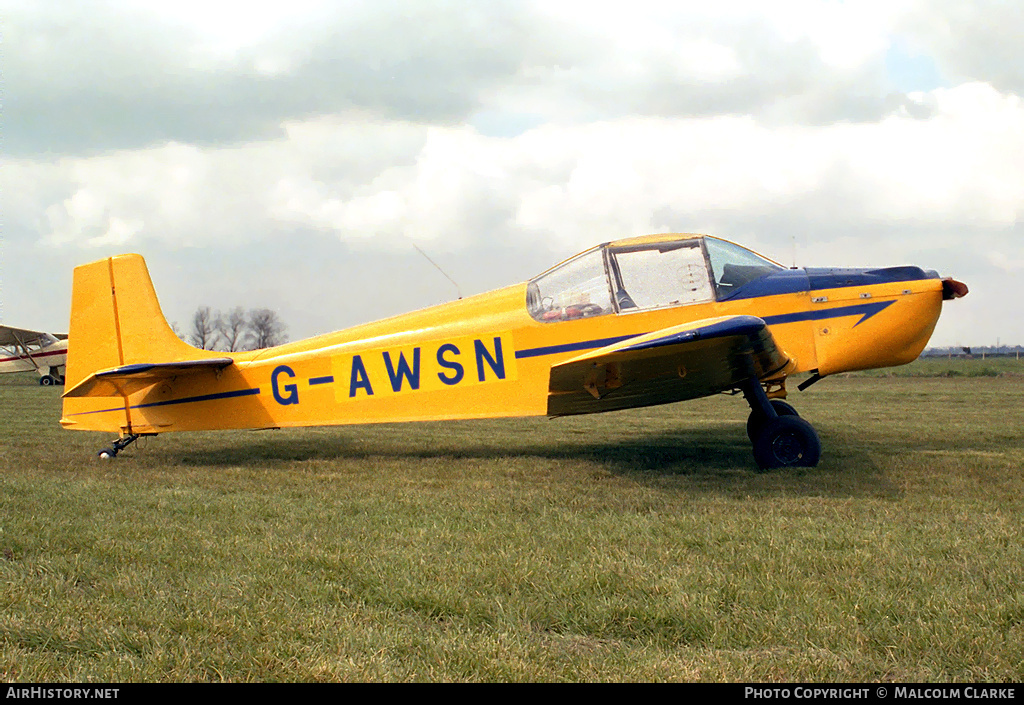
(23, 350)
(629, 323)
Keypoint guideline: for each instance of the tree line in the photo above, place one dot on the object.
(235, 330)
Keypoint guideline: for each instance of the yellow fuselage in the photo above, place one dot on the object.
(483, 356)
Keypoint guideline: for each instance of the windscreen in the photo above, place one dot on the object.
(734, 266)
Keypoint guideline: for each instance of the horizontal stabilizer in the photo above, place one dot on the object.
(128, 379)
(688, 361)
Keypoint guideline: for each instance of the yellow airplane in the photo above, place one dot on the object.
(629, 323)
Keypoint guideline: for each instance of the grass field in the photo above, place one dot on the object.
(632, 546)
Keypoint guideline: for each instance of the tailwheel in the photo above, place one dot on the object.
(786, 441)
(757, 418)
(117, 446)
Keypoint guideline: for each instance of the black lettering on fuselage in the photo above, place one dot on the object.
(458, 372)
(359, 379)
(291, 391)
(403, 371)
(497, 365)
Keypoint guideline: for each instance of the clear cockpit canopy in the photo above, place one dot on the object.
(642, 275)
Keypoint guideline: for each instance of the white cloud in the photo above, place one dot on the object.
(469, 127)
(134, 74)
(971, 41)
(574, 184)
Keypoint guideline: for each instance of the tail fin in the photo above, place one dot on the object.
(119, 343)
(116, 320)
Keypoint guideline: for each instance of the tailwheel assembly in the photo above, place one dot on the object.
(117, 446)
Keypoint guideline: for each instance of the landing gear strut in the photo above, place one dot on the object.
(779, 436)
(118, 445)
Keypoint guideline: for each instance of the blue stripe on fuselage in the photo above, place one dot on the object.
(186, 400)
(865, 311)
(203, 397)
(571, 347)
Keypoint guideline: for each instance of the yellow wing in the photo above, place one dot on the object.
(688, 361)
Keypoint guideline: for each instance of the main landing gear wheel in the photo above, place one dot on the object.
(780, 437)
(786, 441)
(757, 418)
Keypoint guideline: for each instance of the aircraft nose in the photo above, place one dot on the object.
(952, 289)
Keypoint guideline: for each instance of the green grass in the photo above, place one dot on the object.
(632, 546)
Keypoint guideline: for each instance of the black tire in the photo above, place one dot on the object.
(756, 420)
(45, 381)
(107, 454)
(787, 441)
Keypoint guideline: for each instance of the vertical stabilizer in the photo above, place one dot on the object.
(116, 320)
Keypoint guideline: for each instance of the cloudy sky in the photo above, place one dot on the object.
(296, 154)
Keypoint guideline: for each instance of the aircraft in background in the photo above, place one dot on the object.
(629, 323)
(23, 350)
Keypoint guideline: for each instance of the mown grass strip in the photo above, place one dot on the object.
(630, 546)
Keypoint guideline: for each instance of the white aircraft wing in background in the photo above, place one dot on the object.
(23, 350)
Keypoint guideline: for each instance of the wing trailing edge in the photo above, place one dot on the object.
(682, 362)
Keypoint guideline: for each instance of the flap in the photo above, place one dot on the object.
(687, 361)
(122, 381)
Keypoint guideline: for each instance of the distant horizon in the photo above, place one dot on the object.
(998, 349)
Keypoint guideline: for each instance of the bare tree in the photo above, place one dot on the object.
(232, 328)
(265, 329)
(204, 329)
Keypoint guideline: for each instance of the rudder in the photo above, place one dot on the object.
(116, 319)
(116, 323)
